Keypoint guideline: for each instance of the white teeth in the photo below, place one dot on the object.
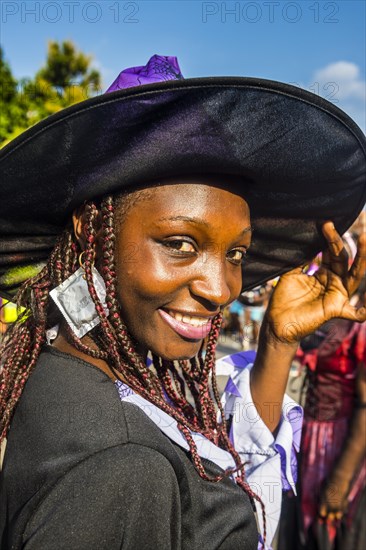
(193, 321)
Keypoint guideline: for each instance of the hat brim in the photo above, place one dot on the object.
(302, 161)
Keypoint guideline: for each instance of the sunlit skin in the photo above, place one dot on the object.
(179, 251)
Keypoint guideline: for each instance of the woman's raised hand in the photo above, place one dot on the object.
(301, 303)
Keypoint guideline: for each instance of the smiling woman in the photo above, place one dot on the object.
(194, 264)
(116, 435)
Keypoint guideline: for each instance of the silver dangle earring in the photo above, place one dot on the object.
(73, 299)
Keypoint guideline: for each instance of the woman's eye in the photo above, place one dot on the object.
(182, 247)
(237, 255)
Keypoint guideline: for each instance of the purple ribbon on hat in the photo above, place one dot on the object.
(158, 69)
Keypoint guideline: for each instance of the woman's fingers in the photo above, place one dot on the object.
(358, 269)
(353, 313)
(335, 258)
(333, 238)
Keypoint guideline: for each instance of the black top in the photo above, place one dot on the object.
(84, 470)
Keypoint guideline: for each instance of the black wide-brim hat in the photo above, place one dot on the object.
(302, 161)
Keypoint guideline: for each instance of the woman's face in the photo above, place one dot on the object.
(178, 254)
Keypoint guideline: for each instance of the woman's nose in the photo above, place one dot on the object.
(212, 283)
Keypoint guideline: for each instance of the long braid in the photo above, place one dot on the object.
(23, 343)
(23, 340)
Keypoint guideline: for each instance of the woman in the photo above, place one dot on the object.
(105, 450)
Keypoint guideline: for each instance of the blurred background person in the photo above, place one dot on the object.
(329, 514)
(255, 302)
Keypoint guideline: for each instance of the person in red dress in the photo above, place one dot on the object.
(333, 448)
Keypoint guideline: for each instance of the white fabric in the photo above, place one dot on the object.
(256, 444)
(168, 425)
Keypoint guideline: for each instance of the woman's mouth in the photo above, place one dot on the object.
(189, 326)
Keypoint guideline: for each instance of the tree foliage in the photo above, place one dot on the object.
(12, 113)
(66, 78)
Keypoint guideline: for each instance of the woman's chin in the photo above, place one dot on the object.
(179, 353)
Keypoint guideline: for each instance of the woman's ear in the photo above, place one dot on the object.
(79, 222)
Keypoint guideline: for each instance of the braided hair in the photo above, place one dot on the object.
(165, 385)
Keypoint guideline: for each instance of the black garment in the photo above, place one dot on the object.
(84, 470)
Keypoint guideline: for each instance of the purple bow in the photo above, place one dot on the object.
(158, 69)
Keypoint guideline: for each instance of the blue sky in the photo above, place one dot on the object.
(319, 45)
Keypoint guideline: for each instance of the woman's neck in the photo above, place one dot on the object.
(61, 343)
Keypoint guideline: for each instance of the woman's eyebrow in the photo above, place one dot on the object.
(196, 221)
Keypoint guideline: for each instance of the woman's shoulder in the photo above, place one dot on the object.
(71, 408)
(68, 421)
